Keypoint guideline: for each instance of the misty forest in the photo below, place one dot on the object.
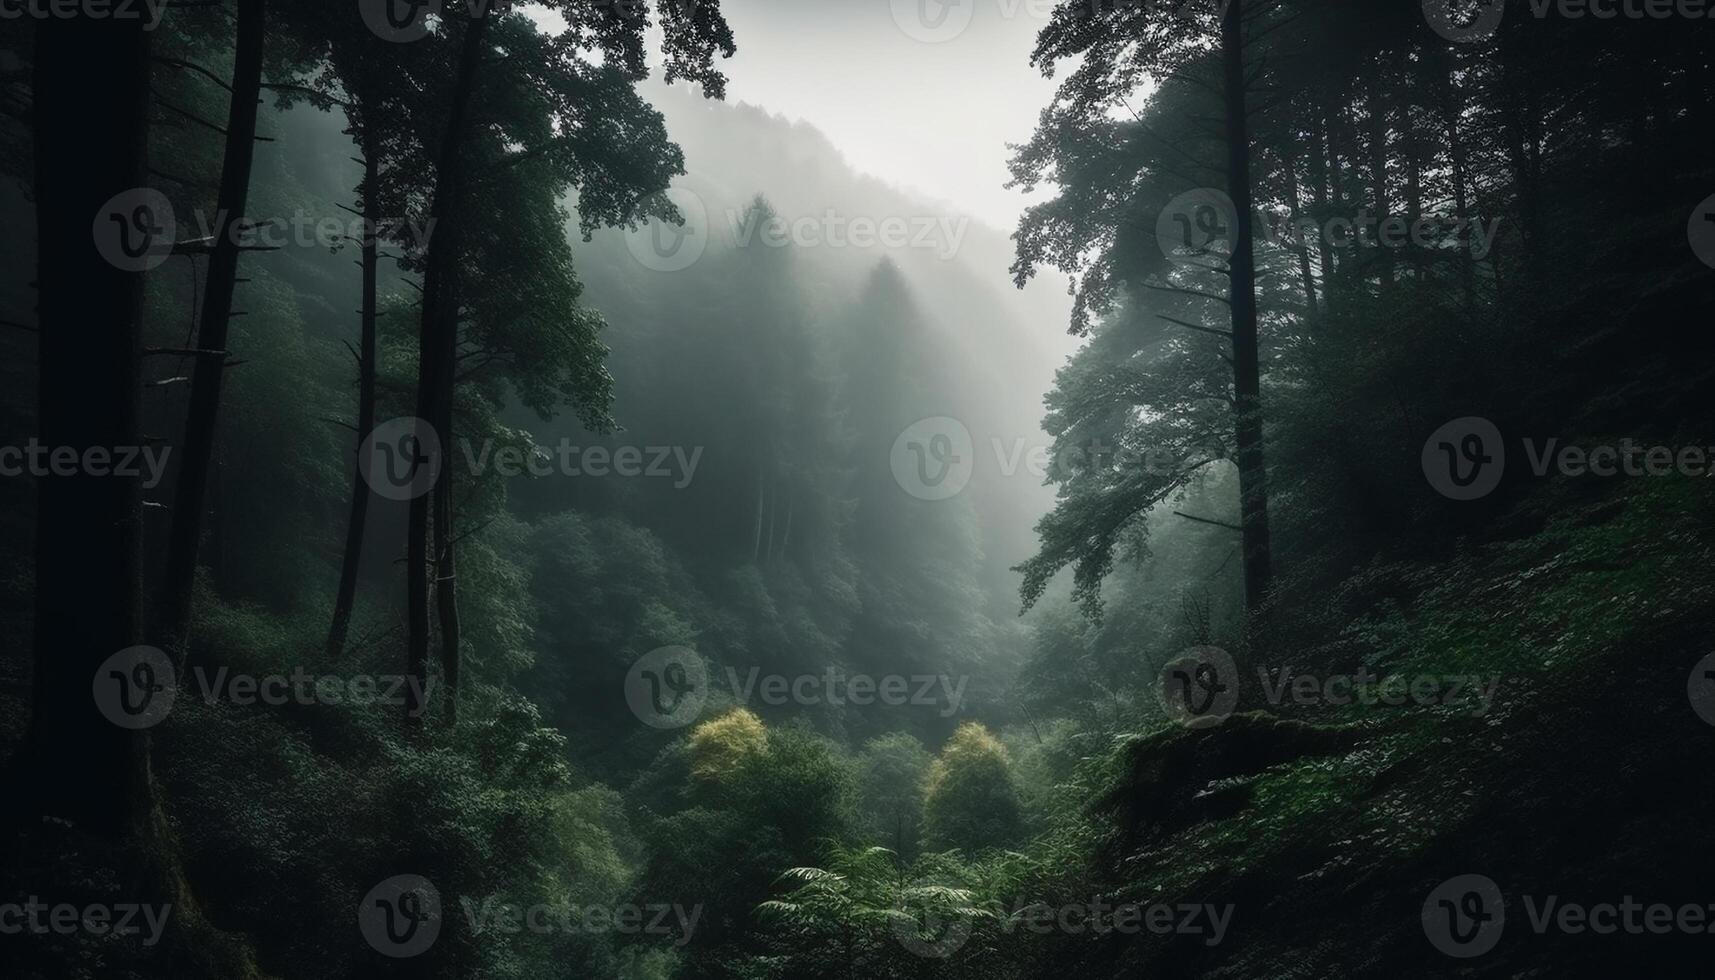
(765, 490)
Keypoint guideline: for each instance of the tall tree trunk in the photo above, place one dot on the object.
(773, 509)
(1454, 109)
(357, 521)
(1414, 197)
(1522, 122)
(436, 362)
(197, 452)
(1319, 149)
(1302, 248)
(1247, 387)
(756, 535)
(446, 586)
(1378, 147)
(90, 129)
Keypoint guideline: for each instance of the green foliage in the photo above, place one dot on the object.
(892, 771)
(722, 746)
(970, 799)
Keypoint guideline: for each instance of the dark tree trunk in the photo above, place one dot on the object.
(1247, 379)
(435, 369)
(357, 521)
(1378, 146)
(446, 594)
(90, 129)
(197, 452)
(1454, 109)
(1522, 121)
(1318, 158)
(1414, 198)
(1300, 246)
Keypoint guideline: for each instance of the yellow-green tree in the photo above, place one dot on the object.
(721, 745)
(971, 800)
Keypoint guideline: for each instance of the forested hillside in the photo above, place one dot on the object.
(479, 499)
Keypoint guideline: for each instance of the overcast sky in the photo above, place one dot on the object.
(932, 117)
(921, 93)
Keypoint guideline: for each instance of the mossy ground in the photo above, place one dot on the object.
(1585, 778)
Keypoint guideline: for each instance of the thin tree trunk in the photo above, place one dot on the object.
(91, 88)
(435, 363)
(1302, 248)
(446, 591)
(1253, 481)
(773, 509)
(202, 414)
(1521, 122)
(1319, 195)
(1414, 200)
(756, 536)
(1454, 108)
(1378, 178)
(357, 521)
